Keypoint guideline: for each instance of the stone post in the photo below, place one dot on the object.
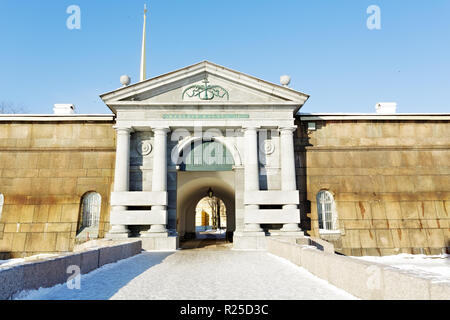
(159, 179)
(251, 170)
(121, 177)
(288, 175)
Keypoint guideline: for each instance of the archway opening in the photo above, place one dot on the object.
(210, 218)
(192, 189)
(205, 186)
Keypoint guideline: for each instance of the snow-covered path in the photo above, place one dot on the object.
(198, 274)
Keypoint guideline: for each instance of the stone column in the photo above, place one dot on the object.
(159, 178)
(288, 175)
(121, 177)
(251, 170)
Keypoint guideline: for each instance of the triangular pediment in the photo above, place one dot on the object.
(204, 83)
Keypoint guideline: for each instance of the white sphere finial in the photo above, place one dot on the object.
(285, 80)
(125, 80)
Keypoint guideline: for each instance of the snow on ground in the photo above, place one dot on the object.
(100, 284)
(197, 274)
(211, 234)
(11, 262)
(437, 266)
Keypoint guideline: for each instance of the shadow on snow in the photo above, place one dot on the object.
(103, 283)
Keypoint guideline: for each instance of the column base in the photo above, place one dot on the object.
(249, 240)
(155, 231)
(253, 227)
(289, 230)
(290, 227)
(289, 233)
(167, 243)
(118, 232)
(148, 234)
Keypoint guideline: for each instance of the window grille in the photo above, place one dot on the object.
(326, 211)
(91, 204)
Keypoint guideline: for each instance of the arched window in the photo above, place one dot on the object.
(326, 210)
(1, 205)
(90, 208)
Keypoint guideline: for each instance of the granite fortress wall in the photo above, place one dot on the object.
(390, 181)
(45, 169)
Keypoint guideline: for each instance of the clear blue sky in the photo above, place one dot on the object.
(323, 44)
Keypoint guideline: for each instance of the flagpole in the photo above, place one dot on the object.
(143, 64)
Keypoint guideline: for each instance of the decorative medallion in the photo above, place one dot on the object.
(269, 147)
(206, 91)
(144, 148)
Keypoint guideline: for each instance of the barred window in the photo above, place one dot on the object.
(90, 206)
(326, 210)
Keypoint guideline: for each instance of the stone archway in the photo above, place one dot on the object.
(192, 187)
(205, 164)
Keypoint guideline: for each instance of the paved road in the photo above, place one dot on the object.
(209, 273)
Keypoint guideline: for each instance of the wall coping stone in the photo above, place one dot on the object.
(363, 279)
(50, 271)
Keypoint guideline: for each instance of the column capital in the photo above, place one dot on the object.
(123, 129)
(287, 129)
(160, 129)
(250, 128)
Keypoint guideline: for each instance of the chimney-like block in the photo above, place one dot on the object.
(386, 107)
(63, 108)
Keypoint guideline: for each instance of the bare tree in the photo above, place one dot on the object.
(10, 108)
(216, 207)
(213, 205)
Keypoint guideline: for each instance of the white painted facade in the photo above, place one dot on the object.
(157, 122)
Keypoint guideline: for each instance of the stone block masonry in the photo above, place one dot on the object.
(45, 169)
(390, 180)
(52, 271)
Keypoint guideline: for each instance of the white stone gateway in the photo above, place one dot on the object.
(201, 127)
